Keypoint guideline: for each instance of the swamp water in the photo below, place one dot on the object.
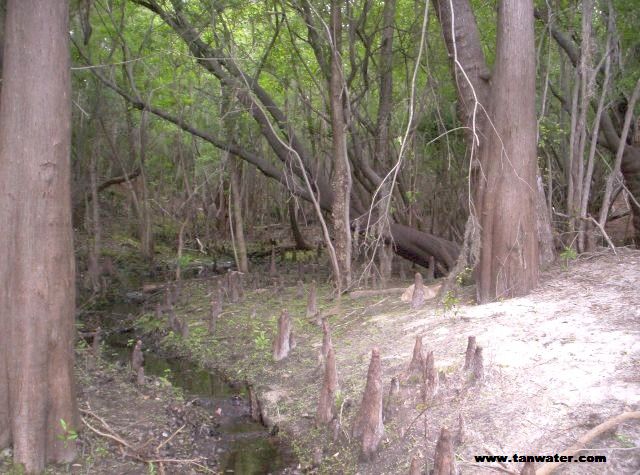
(245, 447)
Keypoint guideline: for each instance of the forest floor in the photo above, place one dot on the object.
(558, 362)
(129, 429)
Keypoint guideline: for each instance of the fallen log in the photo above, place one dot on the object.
(549, 468)
(375, 292)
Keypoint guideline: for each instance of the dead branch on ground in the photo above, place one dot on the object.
(598, 430)
(131, 450)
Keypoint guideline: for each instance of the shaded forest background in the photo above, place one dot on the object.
(203, 124)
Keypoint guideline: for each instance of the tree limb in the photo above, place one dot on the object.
(116, 180)
(598, 430)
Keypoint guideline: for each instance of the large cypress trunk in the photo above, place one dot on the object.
(37, 276)
(505, 199)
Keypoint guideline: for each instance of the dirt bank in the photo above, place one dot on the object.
(558, 362)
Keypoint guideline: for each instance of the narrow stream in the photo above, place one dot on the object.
(245, 447)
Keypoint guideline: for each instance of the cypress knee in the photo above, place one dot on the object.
(417, 361)
(312, 304)
(478, 365)
(326, 404)
(137, 359)
(368, 427)
(281, 345)
(528, 469)
(415, 468)
(430, 379)
(471, 349)
(417, 299)
(444, 461)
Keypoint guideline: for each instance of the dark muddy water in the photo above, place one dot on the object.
(244, 447)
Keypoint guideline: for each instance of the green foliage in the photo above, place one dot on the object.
(551, 132)
(184, 260)
(568, 254)
(82, 344)
(100, 449)
(164, 379)
(339, 399)
(450, 303)
(412, 196)
(16, 469)
(68, 433)
(260, 340)
(299, 256)
(625, 440)
(148, 323)
(465, 277)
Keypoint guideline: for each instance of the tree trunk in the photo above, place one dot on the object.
(546, 244)
(341, 180)
(627, 161)
(580, 107)
(471, 75)
(138, 189)
(505, 199)
(37, 271)
(630, 168)
(382, 150)
(238, 223)
(145, 224)
(462, 37)
(298, 238)
(95, 250)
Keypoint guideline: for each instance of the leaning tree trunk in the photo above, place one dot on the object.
(37, 272)
(505, 199)
(628, 158)
(469, 68)
(631, 172)
(408, 243)
(298, 238)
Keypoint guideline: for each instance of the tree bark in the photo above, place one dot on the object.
(326, 404)
(341, 180)
(95, 251)
(580, 107)
(298, 238)
(506, 196)
(382, 149)
(368, 426)
(473, 81)
(146, 224)
(238, 223)
(37, 271)
(462, 37)
(282, 343)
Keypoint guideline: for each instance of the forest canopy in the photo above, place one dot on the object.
(188, 95)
